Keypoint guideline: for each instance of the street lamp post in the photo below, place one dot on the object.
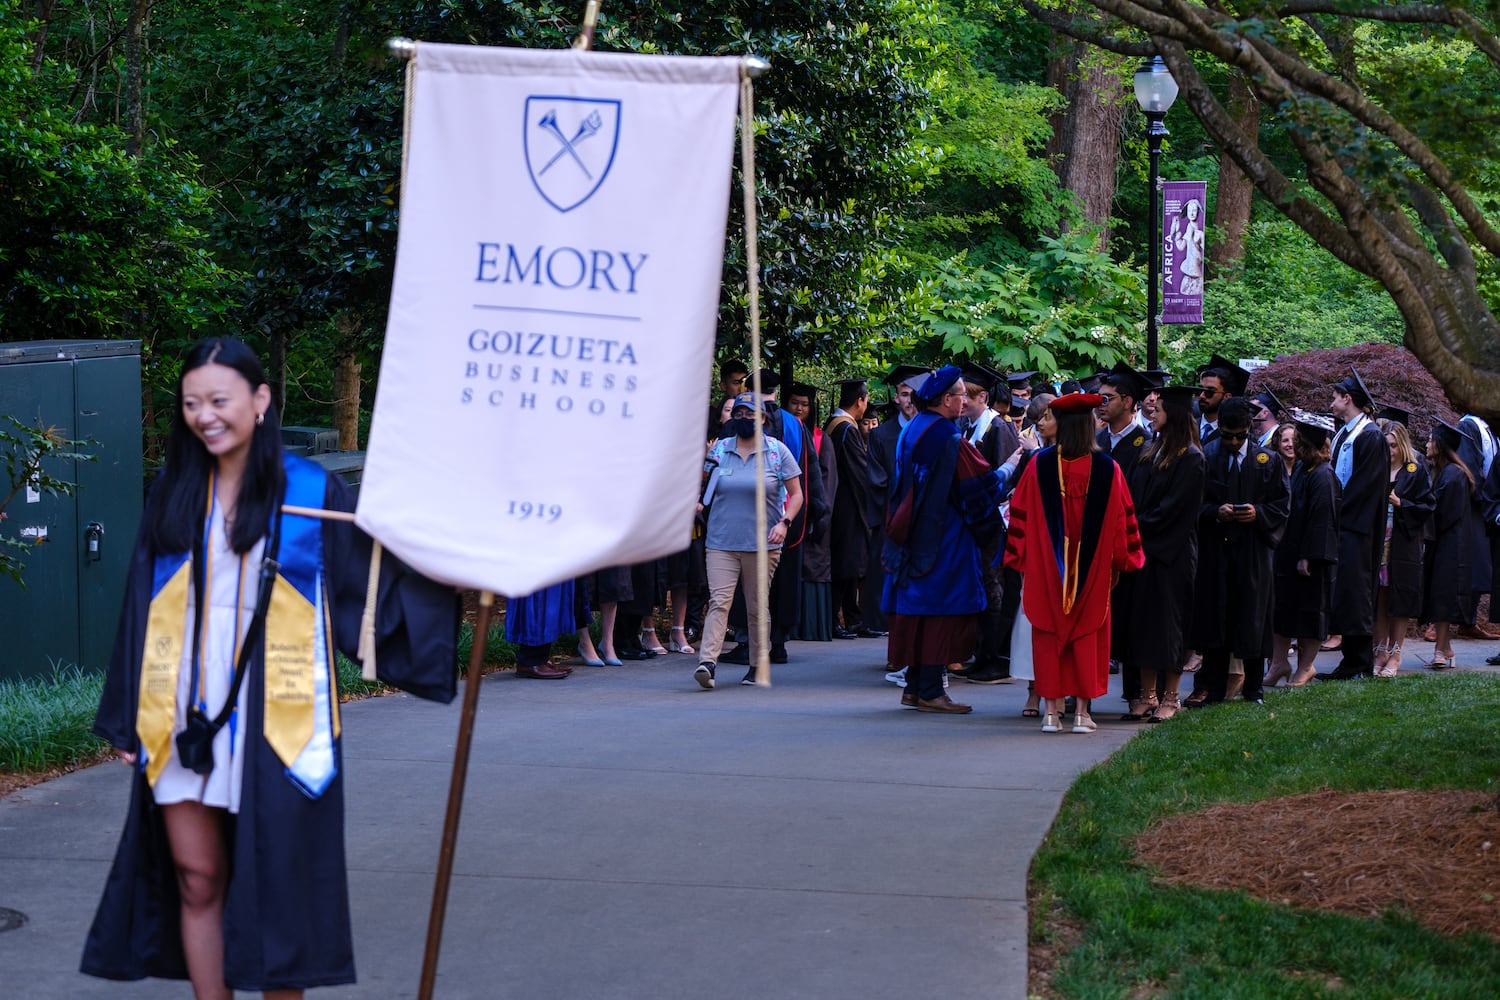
(1155, 90)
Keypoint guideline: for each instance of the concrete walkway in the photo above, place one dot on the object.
(629, 835)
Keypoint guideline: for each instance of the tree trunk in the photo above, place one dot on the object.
(135, 57)
(346, 381)
(43, 15)
(1236, 190)
(1085, 145)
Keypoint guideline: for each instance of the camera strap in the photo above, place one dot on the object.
(269, 567)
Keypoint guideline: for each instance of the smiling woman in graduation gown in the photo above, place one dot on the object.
(286, 910)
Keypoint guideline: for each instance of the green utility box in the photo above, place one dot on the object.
(75, 578)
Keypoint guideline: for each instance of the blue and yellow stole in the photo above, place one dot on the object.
(301, 715)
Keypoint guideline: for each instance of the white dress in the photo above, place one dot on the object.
(232, 581)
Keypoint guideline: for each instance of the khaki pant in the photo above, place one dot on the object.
(725, 571)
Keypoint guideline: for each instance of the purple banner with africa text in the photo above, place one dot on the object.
(1182, 250)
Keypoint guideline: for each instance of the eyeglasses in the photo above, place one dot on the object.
(1108, 397)
(1208, 391)
(1233, 435)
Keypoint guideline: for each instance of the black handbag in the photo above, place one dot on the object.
(195, 744)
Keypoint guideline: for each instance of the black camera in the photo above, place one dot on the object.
(195, 744)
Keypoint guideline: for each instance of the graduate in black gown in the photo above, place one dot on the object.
(1167, 488)
(1307, 558)
(235, 877)
(1361, 463)
(1400, 576)
(1449, 570)
(853, 505)
(1244, 511)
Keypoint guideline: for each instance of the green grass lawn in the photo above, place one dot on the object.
(1119, 934)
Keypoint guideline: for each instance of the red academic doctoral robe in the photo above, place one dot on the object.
(1072, 530)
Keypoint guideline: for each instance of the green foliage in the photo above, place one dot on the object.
(30, 452)
(93, 242)
(1068, 309)
(46, 722)
(1137, 937)
(1290, 296)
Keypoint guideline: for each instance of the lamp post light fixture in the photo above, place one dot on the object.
(1155, 90)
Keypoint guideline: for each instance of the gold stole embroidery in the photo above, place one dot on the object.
(156, 709)
(291, 631)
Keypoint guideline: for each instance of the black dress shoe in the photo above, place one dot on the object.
(1493, 661)
(870, 633)
(635, 654)
(984, 677)
(739, 654)
(843, 633)
(1338, 675)
(778, 653)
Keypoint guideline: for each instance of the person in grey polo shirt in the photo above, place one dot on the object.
(730, 539)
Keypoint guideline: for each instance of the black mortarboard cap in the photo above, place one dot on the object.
(1155, 377)
(1020, 378)
(1390, 411)
(1070, 386)
(1447, 435)
(851, 381)
(769, 380)
(1090, 383)
(1131, 382)
(803, 389)
(1270, 401)
(1235, 378)
(982, 375)
(1018, 406)
(912, 374)
(1314, 427)
(1355, 386)
(1180, 395)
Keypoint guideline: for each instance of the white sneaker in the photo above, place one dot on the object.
(897, 677)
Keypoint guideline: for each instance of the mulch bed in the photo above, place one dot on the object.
(1435, 855)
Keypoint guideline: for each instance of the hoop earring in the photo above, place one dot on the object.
(260, 418)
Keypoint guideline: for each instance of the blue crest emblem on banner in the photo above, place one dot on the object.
(570, 145)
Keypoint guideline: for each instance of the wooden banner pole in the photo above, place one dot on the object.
(455, 797)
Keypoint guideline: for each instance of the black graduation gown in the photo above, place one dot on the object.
(1233, 603)
(286, 917)
(816, 549)
(1472, 455)
(1166, 509)
(852, 503)
(1490, 516)
(1449, 570)
(1361, 532)
(1128, 450)
(1303, 603)
(1403, 593)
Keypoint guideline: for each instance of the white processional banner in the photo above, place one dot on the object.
(545, 373)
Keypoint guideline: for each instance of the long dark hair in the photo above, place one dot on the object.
(1445, 456)
(1178, 435)
(1076, 433)
(180, 493)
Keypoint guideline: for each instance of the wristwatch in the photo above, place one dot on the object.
(786, 522)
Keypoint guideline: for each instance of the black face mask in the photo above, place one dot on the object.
(743, 427)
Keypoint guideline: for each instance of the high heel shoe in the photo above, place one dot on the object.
(653, 644)
(612, 661)
(595, 661)
(1439, 661)
(1392, 663)
(679, 647)
(1382, 653)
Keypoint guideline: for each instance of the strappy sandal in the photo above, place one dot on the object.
(1169, 707)
(1141, 707)
(653, 644)
(679, 647)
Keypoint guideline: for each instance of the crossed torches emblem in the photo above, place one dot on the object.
(586, 128)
